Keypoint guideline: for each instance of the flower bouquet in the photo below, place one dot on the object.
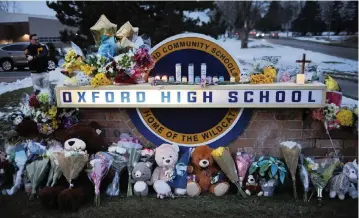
(100, 164)
(36, 172)
(71, 163)
(291, 151)
(224, 159)
(243, 161)
(320, 171)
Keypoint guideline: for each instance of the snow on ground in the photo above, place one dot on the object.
(322, 39)
(55, 77)
(349, 102)
(287, 56)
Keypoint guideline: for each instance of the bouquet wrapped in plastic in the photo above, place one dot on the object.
(100, 164)
(36, 172)
(243, 161)
(224, 159)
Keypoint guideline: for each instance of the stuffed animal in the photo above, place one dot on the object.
(77, 137)
(141, 175)
(252, 186)
(166, 156)
(341, 184)
(207, 175)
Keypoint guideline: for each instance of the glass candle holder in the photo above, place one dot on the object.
(150, 79)
(215, 79)
(164, 79)
(197, 80)
(232, 79)
(184, 79)
(221, 79)
(171, 79)
(157, 77)
(300, 79)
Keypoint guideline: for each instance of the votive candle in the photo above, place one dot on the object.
(209, 79)
(221, 79)
(184, 79)
(150, 79)
(157, 77)
(197, 80)
(215, 79)
(171, 79)
(164, 79)
(232, 79)
(300, 79)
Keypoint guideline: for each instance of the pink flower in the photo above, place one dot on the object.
(285, 77)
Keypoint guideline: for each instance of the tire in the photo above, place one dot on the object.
(7, 65)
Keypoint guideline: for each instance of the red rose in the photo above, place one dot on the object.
(33, 102)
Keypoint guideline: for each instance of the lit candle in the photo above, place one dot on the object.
(232, 79)
(150, 79)
(221, 79)
(215, 79)
(197, 80)
(184, 79)
(157, 77)
(300, 79)
(209, 79)
(164, 79)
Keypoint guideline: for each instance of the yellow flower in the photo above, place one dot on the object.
(356, 111)
(44, 128)
(270, 71)
(87, 69)
(218, 152)
(345, 117)
(331, 84)
(54, 124)
(52, 112)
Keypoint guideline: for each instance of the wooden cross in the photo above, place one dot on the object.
(303, 61)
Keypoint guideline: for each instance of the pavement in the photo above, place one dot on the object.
(12, 76)
(343, 52)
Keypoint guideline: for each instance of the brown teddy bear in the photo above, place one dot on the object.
(71, 198)
(207, 176)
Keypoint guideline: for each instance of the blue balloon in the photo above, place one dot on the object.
(107, 47)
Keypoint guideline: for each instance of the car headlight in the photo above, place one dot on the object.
(257, 34)
(262, 34)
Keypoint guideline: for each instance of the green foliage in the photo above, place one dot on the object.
(309, 19)
(269, 167)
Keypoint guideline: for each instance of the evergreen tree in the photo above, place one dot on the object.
(158, 19)
(309, 19)
(331, 14)
(273, 18)
(350, 17)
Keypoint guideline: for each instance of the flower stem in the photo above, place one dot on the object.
(240, 191)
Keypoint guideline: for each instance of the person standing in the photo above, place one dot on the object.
(36, 55)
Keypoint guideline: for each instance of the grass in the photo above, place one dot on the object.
(281, 205)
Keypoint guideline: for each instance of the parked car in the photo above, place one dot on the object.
(12, 55)
(274, 35)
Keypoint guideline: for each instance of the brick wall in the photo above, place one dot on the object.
(266, 129)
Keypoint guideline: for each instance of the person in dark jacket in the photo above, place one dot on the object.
(37, 56)
(51, 57)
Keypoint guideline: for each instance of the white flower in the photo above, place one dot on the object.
(290, 144)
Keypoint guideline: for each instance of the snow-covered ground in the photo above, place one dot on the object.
(322, 39)
(55, 77)
(287, 56)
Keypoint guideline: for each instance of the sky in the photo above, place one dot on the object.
(35, 7)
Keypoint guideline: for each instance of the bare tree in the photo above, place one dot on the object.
(291, 10)
(241, 16)
(9, 6)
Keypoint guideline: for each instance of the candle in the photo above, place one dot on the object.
(209, 79)
(164, 79)
(197, 80)
(203, 70)
(171, 79)
(178, 72)
(215, 79)
(232, 79)
(184, 79)
(157, 77)
(221, 79)
(300, 79)
(150, 79)
(190, 73)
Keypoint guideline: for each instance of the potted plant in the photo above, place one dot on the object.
(270, 170)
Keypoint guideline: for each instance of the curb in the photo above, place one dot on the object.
(353, 78)
(322, 43)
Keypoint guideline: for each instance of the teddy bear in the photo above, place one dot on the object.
(75, 138)
(207, 176)
(166, 157)
(141, 175)
(252, 186)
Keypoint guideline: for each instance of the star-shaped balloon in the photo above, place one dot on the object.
(127, 35)
(103, 27)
